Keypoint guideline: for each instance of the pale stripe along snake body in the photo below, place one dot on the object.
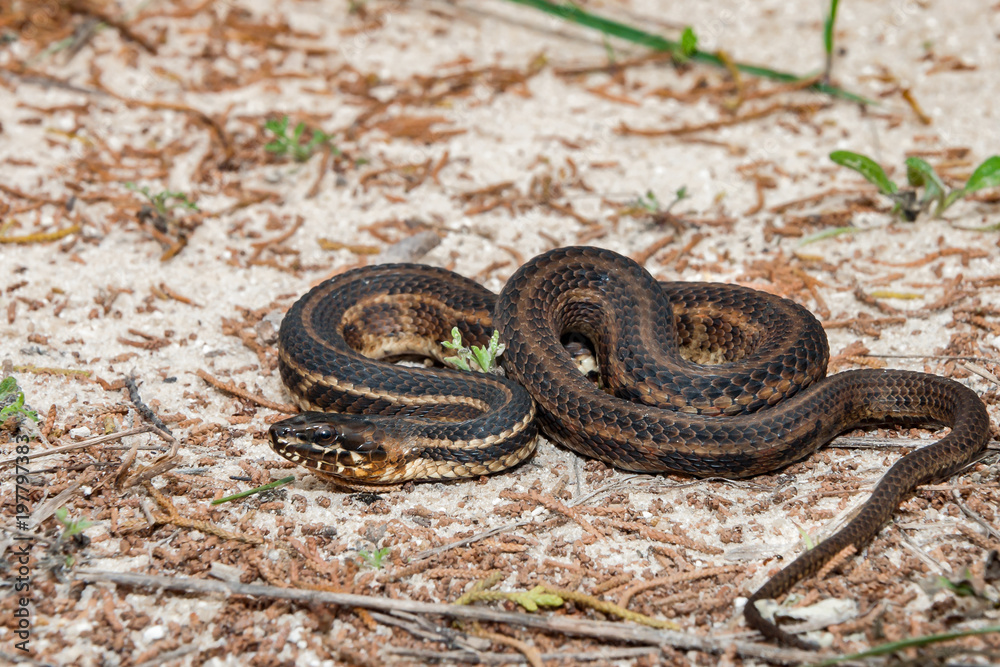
(757, 401)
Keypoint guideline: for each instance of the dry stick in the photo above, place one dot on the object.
(553, 505)
(618, 632)
(420, 627)
(46, 509)
(530, 653)
(144, 410)
(517, 524)
(981, 372)
(694, 575)
(172, 516)
(88, 443)
(975, 516)
(427, 553)
(484, 658)
(869, 442)
(232, 389)
(623, 128)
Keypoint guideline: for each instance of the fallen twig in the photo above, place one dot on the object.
(87, 443)
(619, 632)
(232, 389)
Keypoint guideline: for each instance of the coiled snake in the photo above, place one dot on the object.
(763, 403)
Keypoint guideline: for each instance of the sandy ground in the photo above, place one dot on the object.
(499, 132)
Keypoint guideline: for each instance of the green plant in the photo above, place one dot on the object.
(828, 38)
(12, 401)
(72, 532)
(374, 559)
(71, 527)
(650, 203)
(920, 174)
(689, 45)
(165, 201)
(484, 358)
(293, 145)
(572, 12)
(249, 492)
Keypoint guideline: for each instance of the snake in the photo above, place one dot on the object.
(700, 379)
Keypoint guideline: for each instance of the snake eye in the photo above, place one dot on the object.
(324, 435)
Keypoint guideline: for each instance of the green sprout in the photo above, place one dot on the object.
(920, 174)
(72, 527)
(575, 13)
(482, 359)
(649, 202)
(689, 45)
(374, 559)
(12, 401)
(962, 588)
(72, 530)
(609, 50)
(164, 202)
(679, 195)
(293, 145)
(828, 38)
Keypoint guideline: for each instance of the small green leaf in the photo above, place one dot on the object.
(867, 168)
(15, 405)
(828, 24)
(461, 359)
(921, 174)
(374, 559)
(456, 340)
(459, 363)
(689, 42)
(986, 175)
(72, 526)
(829, 233)
(805, 537)
(486, 357)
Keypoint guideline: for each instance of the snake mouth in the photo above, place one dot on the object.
(334, 444)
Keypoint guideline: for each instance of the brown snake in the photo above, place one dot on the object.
(762, 404)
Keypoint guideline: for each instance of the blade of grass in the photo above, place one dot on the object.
(636, 36)
(250, 492)
(892, 647)
(830, 233)
(831, 20)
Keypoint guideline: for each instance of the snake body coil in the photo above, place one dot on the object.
(757, 400)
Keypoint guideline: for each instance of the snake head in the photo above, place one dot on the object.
(345, 447)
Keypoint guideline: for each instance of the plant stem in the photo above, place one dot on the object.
(828, 38)
(607, 26)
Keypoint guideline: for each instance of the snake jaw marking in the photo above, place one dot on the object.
(337, 445)
(659, 410)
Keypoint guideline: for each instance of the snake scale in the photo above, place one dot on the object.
(701, 379)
